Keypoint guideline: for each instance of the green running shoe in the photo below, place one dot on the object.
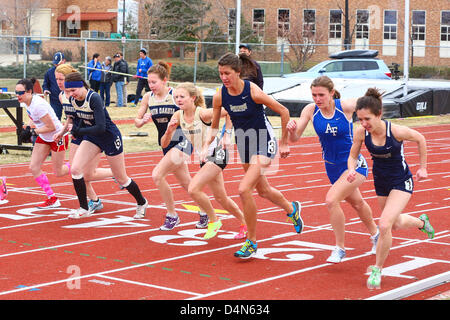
(427, 228)
(374, 280)
(248, 250)
(213, 228)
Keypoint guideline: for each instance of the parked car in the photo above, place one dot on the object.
(358, 64)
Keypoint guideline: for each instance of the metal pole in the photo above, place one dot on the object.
(195, 62)
(85, 58)
(25, 57)
(238, 25)
(406, 50)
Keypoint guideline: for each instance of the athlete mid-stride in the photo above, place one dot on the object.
(391, 175)
(332, 121)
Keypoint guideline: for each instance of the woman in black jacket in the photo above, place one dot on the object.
(119, 66)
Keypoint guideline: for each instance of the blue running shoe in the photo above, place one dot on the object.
(248, 250)
(95, 205)
(295, 216)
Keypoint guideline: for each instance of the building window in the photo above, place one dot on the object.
(445, 26)
(259, 19)
(418, 25)
(362, 24)
(390, 25)
(309, 23)
(335, 24)
(444, 50)
(283, 22)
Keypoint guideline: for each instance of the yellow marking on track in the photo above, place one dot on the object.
(196, 208)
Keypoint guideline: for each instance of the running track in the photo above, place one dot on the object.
(43, 255)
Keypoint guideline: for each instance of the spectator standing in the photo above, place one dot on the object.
(119, 79)
(144, 63)
(126, 80)
(94, 76)
(257, 78)
(50, 86)
(106, 81)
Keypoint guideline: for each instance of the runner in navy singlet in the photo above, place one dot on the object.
(256, 143)
(392, 177)
(99, 134)
(158, 105)
(92, 172)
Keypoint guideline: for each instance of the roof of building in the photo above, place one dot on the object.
(89, 16)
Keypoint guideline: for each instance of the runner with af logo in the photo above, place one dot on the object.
(332, 121)
(391, 175)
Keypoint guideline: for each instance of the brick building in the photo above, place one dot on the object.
(373, 24)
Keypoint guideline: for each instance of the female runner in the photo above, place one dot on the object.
(255, 139)
(332, 121)
(47, 124)
(99, 135)
(92, 172)
(194, 119)
(392, 178)
(161, 107)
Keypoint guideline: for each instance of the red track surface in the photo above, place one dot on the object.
(43, 255)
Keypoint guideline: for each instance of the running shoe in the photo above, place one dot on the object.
(336, 255)
(295, 216)
(427, 228)
(248, 250)
(170, 223)
(374, 280)
(203, 221)
(49, 203)
(242, 233)
(213, 228)
(374, 240)
(140, 210)
(80, 213)
(3, 191)
(95, 205)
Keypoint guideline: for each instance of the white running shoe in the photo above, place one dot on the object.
(336, 255)
(140, 210)
(80, 213)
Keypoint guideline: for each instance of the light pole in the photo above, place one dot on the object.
(238, 25)
(406, 50)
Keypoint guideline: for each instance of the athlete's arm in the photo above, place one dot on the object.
(402, 133)
(260, 97)
(143, 116)
(171, 127)
(358, 138)
(349, 107)
(49, 126)
(297, 127)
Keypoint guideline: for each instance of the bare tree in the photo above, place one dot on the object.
(303, 39)
(18, 15)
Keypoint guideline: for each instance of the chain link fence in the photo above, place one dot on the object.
(191, 61)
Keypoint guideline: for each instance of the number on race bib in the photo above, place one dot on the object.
(118, 143)
(271, 147)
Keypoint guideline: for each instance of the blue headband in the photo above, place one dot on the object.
(73, 84)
